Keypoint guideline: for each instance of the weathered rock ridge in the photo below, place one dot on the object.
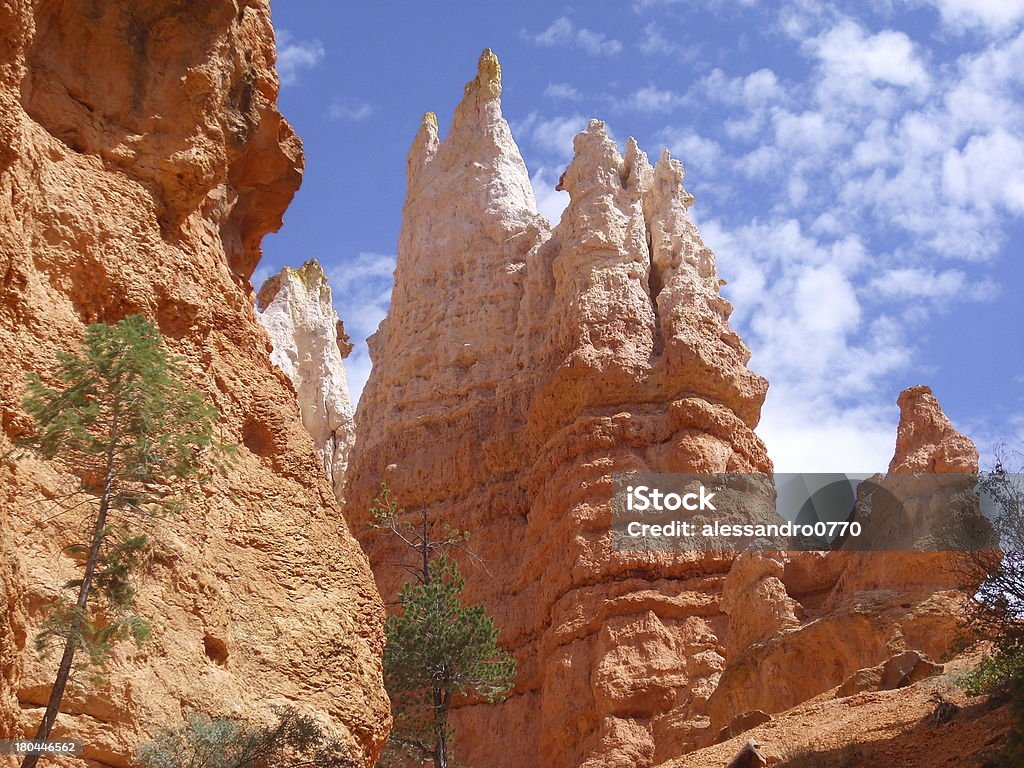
(520, 367)
(142, 159)
(310, 344)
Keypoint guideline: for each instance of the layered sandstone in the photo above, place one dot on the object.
(142, 159)
(519, 368)
(846, 612)
(296, 308)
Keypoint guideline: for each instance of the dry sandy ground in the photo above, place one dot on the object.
(889, 729)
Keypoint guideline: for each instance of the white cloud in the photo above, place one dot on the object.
(651, 99)
(362, 295)
(552, 136)
(923, 283)
(994, 16)
(847, 51)
(562, 92)
(294, 56)
(550, 202)
(655, 43)
(696, 151)
(562, 33)
(350, 111)
(802, 437)
(988, 172)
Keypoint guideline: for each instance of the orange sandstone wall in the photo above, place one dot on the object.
(142, 159)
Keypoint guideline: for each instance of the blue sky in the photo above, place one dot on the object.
(858, 168)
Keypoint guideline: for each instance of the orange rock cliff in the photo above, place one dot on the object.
(142, 159)
(521, 366)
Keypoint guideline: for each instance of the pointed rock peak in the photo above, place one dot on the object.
(488, 77)
(926, 440)
(480, 108)
(668, 178)
(310, 275)
(669, 168)
(424, 146)
(636, 168)
(596, 158)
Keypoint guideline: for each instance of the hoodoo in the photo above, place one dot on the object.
(522, 366)
(519, 368)
(310, 344)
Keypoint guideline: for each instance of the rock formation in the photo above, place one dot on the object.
(852, 612)
(309, 344)
(926, 441)
(519, 368)
(142, 159)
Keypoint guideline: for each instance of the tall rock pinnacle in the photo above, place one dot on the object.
(296, 309)
(926, 441)
(519, 368)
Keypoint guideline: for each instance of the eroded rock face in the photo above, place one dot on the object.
(854, 611)
(926, 441)
(520, 367)
(142, 159)
(309, 341)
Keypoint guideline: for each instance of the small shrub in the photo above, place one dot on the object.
(293, 740)
(996, 673)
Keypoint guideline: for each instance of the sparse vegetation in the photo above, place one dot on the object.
(997, 610)
(437, 648)
(135, 438)
(996, 673)
(294, 740)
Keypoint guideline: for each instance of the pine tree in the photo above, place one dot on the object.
(136, 438)
(437, 648)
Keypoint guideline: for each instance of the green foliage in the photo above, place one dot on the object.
(120, 419)
(1013, 750)
(293, 740)
(438, 641)
(437, 648)
(996, 673)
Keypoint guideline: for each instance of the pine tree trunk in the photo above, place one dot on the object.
(68, 657)
(440, 730)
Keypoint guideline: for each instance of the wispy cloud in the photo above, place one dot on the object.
(562, 92)
(349, 110)
(890, 180)
(551, 136)
(362, 295)
(993, 16)
(562, 33)
(295, 56)
(651, 99)
(550, 202)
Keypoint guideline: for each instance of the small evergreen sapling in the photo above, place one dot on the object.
(123, 423)
(437, 648)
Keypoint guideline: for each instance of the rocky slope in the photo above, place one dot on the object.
(522, 366)
(309, 346)
(142, 159)
(845, 610)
